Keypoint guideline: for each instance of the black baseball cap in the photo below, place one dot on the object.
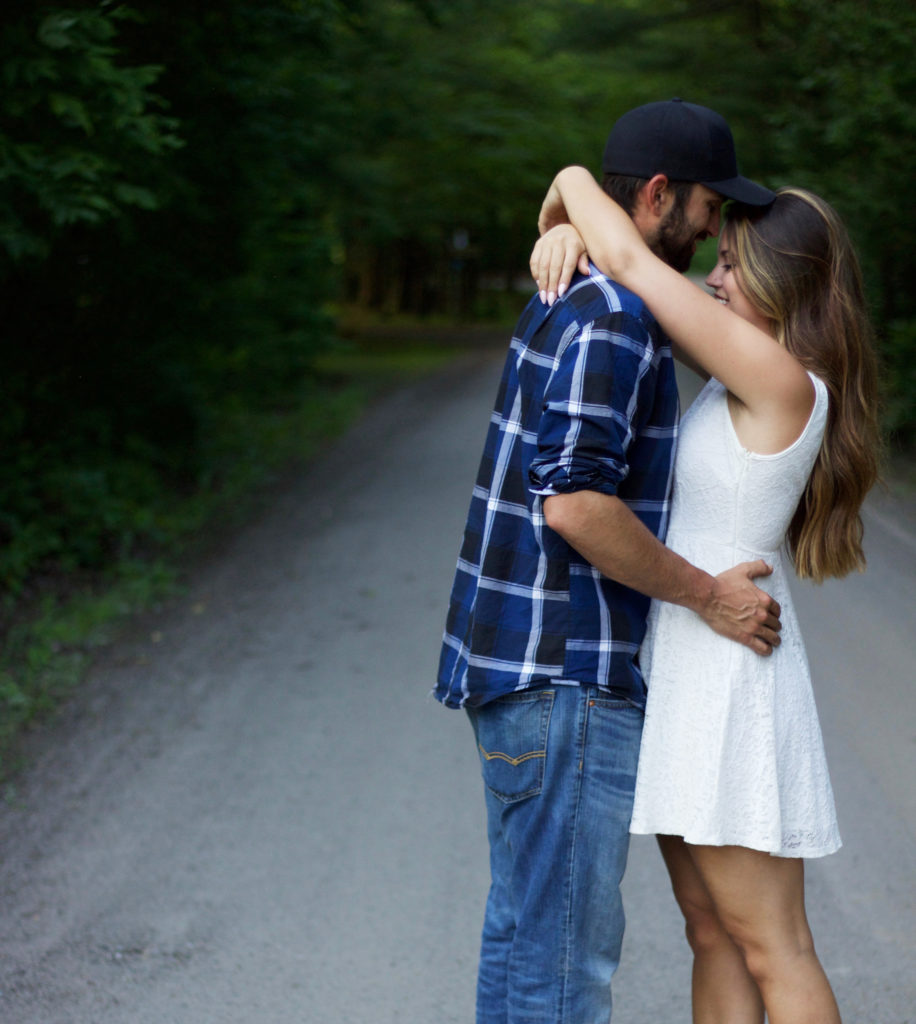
(684, 141)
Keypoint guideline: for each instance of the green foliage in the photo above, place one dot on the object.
(166, 275)
(45, 654)
(76, 127)
(51, 633)
(842, 121)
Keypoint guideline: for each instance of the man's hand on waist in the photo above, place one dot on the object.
(738, 609)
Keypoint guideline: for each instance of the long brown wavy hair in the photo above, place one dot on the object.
(799, 269)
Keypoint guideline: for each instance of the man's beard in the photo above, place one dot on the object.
(674, 243)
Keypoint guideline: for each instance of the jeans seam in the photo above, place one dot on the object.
(581, 727)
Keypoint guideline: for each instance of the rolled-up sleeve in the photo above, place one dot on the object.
(591, 408)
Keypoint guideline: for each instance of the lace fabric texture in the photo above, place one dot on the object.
(732, 752)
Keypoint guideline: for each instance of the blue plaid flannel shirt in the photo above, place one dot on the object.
(587, 401)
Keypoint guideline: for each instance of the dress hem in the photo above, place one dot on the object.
(806, 853)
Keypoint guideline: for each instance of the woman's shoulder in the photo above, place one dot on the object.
(821, 391)
(821, 406)
(811, 433)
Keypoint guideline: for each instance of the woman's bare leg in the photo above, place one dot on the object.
(723, 990)
(760, 901)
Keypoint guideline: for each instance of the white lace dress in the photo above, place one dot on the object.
(732, 751)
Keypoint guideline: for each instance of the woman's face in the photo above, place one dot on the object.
(725, 282)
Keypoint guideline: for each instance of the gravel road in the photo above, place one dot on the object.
(254, 814)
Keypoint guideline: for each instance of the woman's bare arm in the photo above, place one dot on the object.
(762, 375)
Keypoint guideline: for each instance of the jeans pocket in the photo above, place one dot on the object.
(512, 742)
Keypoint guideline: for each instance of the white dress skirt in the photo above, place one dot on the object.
(732, 753)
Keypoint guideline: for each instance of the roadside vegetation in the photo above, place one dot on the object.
(224, 227)
(63, 613)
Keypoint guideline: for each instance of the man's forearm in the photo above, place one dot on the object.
(609, 536)
(620, 546)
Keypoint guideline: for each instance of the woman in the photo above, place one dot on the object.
(778, 451)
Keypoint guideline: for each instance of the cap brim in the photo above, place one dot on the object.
(742, 189)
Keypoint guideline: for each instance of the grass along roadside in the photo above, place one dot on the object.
(51, 634)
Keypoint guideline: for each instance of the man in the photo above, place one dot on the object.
(562, 551)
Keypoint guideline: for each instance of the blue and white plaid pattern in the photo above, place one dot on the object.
(587, 401)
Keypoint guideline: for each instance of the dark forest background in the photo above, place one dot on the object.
(199, 201)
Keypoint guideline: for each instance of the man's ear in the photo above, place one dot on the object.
(657, 195)
(653, 201)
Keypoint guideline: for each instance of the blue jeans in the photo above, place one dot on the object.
(559, 767)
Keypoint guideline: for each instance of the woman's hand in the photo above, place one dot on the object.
(554, 259)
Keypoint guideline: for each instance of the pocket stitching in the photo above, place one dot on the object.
(514, 761)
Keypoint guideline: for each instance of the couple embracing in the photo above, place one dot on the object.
(621, 668)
